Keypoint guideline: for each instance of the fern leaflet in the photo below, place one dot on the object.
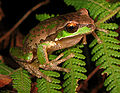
(106, 55)
(76, 66)
(5, 70)
(21, 81)
(49, 87)
(97, 8)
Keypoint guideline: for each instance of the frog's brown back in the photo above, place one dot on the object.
(42, 31)
(46, 29)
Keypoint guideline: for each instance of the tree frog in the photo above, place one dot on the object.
(50, 35)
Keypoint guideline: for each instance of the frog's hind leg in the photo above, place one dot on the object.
(33, 68)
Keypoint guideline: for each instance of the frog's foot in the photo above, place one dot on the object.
(95, 35)
(103, 30)
(52, 65)
(98, 39)
(34, 70)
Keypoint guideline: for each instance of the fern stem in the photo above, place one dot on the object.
(5, 69)
(15, 71)
(89, 77)
(108, 16)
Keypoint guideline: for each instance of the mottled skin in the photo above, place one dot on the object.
(42, 40)
(42, 34)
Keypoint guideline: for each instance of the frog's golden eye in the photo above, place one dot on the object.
(71, 27)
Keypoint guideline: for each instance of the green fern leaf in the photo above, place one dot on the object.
(106, 55)
(21, 81)
(93, 43)
(76, 71)
(108, 46)
(100, 9)
(110, 34)
(98, 55)
(75, 62)
(4, 69)
(49, 87)
(111, 26)
(110, 40)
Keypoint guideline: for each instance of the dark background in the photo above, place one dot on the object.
(15, 9)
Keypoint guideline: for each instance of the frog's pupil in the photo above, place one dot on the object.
(71, 29)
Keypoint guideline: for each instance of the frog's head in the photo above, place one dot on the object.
(78, 23)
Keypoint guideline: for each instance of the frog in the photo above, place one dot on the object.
(50, 35)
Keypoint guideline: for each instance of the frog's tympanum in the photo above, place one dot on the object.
(50, 35)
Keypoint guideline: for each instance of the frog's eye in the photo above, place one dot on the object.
(71, 27)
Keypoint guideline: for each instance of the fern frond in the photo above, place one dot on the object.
(97, 8)
(76, 70)
(111, 34)
(108, 46)
(111, 26)
(106, 55)
(21, 81)
(109, 37)
(4, 69)
(49, 87)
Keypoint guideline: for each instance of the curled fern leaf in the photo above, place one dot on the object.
(75, 65)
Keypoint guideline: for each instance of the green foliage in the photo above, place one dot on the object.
(49, 87)
(21, 81)
(106, 55)
(4, 69)
(42, 17)
(76, 69)
(97, 8)
(111, 26)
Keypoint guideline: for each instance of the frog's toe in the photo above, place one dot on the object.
(66, 70)
(49, 79)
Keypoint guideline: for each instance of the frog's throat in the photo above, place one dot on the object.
(80, 31)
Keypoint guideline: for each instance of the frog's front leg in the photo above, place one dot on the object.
(43, 57)
(53, 64)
